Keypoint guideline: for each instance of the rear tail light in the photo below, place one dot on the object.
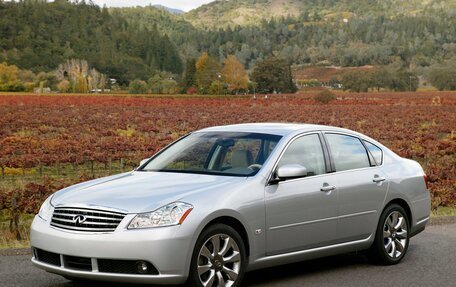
(426, 181)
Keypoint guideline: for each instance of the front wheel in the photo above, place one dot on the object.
(392, 236)
(219, 258)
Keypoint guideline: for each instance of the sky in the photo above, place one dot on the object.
(185, 5)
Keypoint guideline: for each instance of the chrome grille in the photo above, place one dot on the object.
(88, 220)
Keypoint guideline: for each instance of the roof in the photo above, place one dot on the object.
(281, 129)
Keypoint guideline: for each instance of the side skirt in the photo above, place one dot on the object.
(309, 254)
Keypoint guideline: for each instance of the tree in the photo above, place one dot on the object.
(63, 86)
(207, 71)
(138, 87)
(9, 78)
(189, 75)
(274, 75)
(163, 83)
(234, 75)
(357, 81)
(443, 76)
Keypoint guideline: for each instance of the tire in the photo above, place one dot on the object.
(391, 237)
(228, 263)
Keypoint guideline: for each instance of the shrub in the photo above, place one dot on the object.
(325, 97)
(192, 91)
(138, 87)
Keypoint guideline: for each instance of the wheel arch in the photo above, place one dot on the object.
(402, 203)
(236, 225)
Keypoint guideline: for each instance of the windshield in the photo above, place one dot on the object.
(220, 153)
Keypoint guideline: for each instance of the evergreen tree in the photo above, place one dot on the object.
(189, 75)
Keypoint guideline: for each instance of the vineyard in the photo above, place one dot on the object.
(50, 141)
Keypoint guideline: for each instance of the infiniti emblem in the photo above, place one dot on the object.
(79, 219)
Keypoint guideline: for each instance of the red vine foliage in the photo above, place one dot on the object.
(49, 130)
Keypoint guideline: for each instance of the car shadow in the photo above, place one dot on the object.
(290, 271)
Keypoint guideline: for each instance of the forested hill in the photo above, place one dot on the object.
(135, 43)
(223, 13)
(401, 32)
(39, 36)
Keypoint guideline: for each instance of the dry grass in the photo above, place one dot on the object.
(8, 238)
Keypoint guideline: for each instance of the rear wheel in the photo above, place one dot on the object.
(219, 258)
(392, 236)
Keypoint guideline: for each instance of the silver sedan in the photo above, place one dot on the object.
(225, 200)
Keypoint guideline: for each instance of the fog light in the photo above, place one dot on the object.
(142, 267)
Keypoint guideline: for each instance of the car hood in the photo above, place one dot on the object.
(138, 192)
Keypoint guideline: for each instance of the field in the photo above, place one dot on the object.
(50, 141)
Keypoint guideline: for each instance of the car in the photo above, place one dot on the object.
(225, 200)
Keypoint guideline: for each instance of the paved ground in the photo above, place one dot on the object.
(431, 261)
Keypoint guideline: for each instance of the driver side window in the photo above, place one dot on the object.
(308, 152)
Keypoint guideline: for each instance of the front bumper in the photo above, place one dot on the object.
(165, 248)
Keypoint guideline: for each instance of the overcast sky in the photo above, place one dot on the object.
(185, 5)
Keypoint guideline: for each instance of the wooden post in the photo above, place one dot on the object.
(110, 166)
(121, 165)
(91, 168)
(14, 221)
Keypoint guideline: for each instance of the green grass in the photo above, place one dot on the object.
(444, 211)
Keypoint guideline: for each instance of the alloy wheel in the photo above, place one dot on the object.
(395, 235)
(219, 261)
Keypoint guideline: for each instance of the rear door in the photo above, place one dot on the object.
(362, 186)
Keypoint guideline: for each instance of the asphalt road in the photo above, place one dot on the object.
(431, 261)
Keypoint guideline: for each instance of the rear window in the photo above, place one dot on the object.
(347, 152)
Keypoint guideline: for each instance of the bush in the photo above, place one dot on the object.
(217, 88)
(192, 91)
(324, 97)
(138, 87)
(443, 78)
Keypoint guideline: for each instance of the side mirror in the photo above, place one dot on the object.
(290, 171)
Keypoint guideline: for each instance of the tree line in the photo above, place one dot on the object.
(206, 75)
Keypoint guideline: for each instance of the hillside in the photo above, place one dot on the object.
(39, 36)
(223, 13)
(170, 10)
(135, 43)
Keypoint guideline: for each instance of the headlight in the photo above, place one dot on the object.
(46, 209)
(168, 215)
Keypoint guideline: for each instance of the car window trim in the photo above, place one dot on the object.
(270, 180)
(350, 135)
(381, 150)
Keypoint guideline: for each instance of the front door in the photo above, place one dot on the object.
(302, 213)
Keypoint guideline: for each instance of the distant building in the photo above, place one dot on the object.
(42, 90)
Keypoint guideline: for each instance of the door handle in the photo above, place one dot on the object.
(378, 179)
(327, 188)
